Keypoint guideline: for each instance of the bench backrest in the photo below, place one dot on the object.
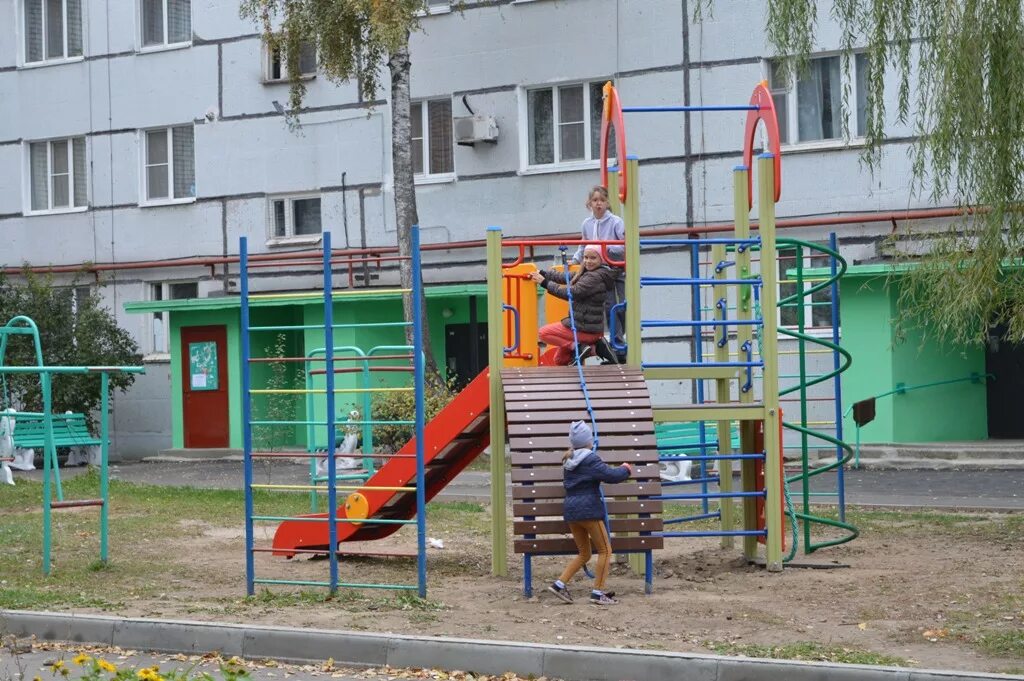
(68, 430)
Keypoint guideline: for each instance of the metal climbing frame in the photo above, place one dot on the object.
(327, 354)
(22, 325)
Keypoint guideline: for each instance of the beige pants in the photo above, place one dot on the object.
(585, 533)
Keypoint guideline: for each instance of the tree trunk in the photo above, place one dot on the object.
(405, 192)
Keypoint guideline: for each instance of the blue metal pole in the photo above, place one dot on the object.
(710, 107)
(528, 575)
(243, 279)
(418, 360)
(833, 243)
(332, 491)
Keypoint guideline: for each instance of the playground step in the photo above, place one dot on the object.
(983, 454)
(208, 454)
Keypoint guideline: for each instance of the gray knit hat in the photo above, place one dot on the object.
(580, 435)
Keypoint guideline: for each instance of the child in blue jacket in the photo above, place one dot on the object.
(583, 472)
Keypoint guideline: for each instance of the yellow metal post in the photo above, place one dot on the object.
(769, 355)
(495, 357)
(720, 311)
(744, 338)
(631, 218)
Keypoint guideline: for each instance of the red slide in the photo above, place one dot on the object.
(453, 439)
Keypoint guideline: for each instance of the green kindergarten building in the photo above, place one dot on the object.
(924, 391)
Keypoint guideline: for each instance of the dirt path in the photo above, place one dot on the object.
(951, 596)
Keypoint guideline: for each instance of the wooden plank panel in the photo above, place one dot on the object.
(611, 442)
(542, 509)
(602, 415)
(554, 473)
(538, 404)
(604, 427)
(568, 546)
(521, 527)
(610, 457)
(622, 489)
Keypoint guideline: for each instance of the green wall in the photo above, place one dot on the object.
(942, 413)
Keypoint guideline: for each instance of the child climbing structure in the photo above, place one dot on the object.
(745, 350)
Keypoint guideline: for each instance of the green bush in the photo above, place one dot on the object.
(75, 329)
(401, 406)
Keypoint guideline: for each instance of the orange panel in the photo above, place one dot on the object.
(520, 293)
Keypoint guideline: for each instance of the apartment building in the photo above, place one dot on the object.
(137, 133)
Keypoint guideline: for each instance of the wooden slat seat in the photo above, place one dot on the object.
(540, 403)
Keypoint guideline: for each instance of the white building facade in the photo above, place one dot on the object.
(137, 132)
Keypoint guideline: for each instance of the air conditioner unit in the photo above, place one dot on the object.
(472, 129)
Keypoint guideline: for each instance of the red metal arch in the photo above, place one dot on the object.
(762, 99)
(612, 115)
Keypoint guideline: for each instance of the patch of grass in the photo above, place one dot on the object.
(1007, 643)
(811, 652)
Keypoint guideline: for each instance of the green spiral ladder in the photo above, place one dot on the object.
(805, 517)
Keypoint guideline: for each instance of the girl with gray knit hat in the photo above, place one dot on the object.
(582, 474)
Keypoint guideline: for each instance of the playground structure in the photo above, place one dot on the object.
(735, 384)
(734, 285)
(48, 431)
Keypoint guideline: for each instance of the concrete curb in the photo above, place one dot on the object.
(576, 663)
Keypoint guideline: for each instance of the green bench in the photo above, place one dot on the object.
(683, 439)
(69, 430)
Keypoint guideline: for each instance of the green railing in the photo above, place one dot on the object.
(903, 389)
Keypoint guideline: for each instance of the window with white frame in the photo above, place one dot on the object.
(438, 6)
(169, 164)
(159, 326)
(295, 216)
(564, 123)
(275, 66)
(53, 29)
(56, 175)
(813, 110)
(432, 138)
(165, 22)
(816, 308)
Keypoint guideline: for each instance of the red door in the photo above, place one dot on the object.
(204, 361)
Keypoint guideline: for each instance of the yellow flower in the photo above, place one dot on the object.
(146, 674)
(59, 664)
(81, 658)
(106, 666)
(37, 678)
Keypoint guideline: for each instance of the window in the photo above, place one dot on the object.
(813, 110)
(817, 307)
(564, 123)
(166, 22)
(275, 68)
(53, 29)
(158, 323)
(432, 138)
(57, 175)
(295, 216)
(438, 6)
(170, 167)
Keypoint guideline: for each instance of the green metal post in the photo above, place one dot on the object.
(48, 463)
(805, 464)
(104, 458)
(495, 360)
(770, 357)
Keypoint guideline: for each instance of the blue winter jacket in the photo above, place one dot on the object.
(583, 484)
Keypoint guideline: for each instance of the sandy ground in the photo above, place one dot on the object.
(914, 592)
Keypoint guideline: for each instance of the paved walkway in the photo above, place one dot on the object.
(997, 490)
